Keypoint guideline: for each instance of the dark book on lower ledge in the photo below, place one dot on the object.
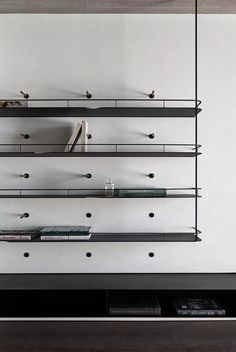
(134, 304)
(198, 307)
(139, 193)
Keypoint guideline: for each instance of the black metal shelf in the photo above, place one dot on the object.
(118, 281)
(127, 237)
(115, 111)
(102, 154)
(101, 150)
(100, 112)
(98, 193)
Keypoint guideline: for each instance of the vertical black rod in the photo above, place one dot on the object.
(196, 118)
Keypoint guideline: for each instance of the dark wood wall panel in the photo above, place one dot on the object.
(118, 6)
(124, 337)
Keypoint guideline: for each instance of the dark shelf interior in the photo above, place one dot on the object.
(112, 112)
(129, 237)
(95, 303)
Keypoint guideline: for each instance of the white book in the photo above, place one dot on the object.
(15, 237)
(79, 238)
(54, 238)
(26, 237)
(74, 138)
(84, 137)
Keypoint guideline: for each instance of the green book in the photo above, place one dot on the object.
(138, 193)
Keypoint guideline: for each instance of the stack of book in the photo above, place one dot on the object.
(65, 233)
(198, 307)
(18, 235)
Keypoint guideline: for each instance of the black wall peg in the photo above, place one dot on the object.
(24, 135)
(151, 135)
(88, 95)
(25, 175)
(88, 215)
(25, 95)
(151, 175)
(151, 215)
(89, 136)
(25, 215)
(151, 254)
(152, 95)
(88, 175)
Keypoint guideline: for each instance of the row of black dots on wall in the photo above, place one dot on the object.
(89, 136)
(88, 215)
(88, 95)
(88, 175)
(89, 254)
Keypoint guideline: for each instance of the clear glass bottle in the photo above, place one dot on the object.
(109, 188)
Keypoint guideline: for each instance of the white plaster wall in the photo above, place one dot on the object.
(62, 56)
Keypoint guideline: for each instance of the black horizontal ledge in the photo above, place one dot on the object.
(129, 237)
(119, 281)
(176, 196)
(108, 112)
(118, 193)
(99, 154)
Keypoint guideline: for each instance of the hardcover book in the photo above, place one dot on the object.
(134, 304)
(198, 307)
(63, 233)
(54, 238)
(84, 136)
(161, 192)
(67, 230)
(74, 138)
(64, 237)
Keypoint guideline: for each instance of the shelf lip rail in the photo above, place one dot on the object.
(115, 100)
(24, 147)
(117, 237)
(98, 193)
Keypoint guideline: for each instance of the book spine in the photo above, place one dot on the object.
(77, 238)
(220, 312)
(15, 237)
(84, 138)
(54, 238)
(26, 237)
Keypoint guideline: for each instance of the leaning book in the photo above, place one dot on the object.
(198, 307)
